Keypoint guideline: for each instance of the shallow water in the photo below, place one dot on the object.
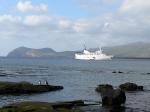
(79, 78)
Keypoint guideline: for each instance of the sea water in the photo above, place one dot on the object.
(79, 78)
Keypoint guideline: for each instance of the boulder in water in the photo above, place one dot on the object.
(102, 87)
(130, 87)
(119, 72)
(110, 96)
(113, 97)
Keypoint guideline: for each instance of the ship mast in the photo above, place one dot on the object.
(100, 49)
(84, 46)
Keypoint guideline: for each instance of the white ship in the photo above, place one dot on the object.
(97, 55)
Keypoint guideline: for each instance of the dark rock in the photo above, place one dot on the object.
(102, 87)
(117, 72)
(140, 88)
(3, 75)
(131, 87)
(110, 96)
(69, 104)
(43, 107)
(114, 72)
(48, 107)
(113, 97)
(119, 97)
(119, 109)
(120, 72)
(25, 88)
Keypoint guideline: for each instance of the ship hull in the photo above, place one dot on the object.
(94, 57)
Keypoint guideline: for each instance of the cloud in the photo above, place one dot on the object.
(129, 23)
(60, 33)
(135, 6)
(10, 18)
(99, 6)
(27, 6)
(81, 26)
(35, 20)
(65, 24)
(91, 5)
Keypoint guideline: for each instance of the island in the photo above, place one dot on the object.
(132, 50)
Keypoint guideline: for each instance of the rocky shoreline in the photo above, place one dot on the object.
(113, 99)
(68, 106)
(43, 107)
(116, 97)
(25, 88)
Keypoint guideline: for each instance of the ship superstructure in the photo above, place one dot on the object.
(97, 55)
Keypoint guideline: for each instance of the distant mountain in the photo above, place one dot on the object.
(133, 50)
(25, 52)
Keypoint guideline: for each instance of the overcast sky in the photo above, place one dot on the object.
(68, 24)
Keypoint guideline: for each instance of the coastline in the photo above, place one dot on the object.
(70, 106)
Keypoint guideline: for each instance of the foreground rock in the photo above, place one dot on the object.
(102, 87)
(110, 96)
(43, 107)
(72, 106)
(25, 88)
(69, 104)
(130, 87)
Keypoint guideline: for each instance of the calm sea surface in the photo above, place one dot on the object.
(79, 78)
